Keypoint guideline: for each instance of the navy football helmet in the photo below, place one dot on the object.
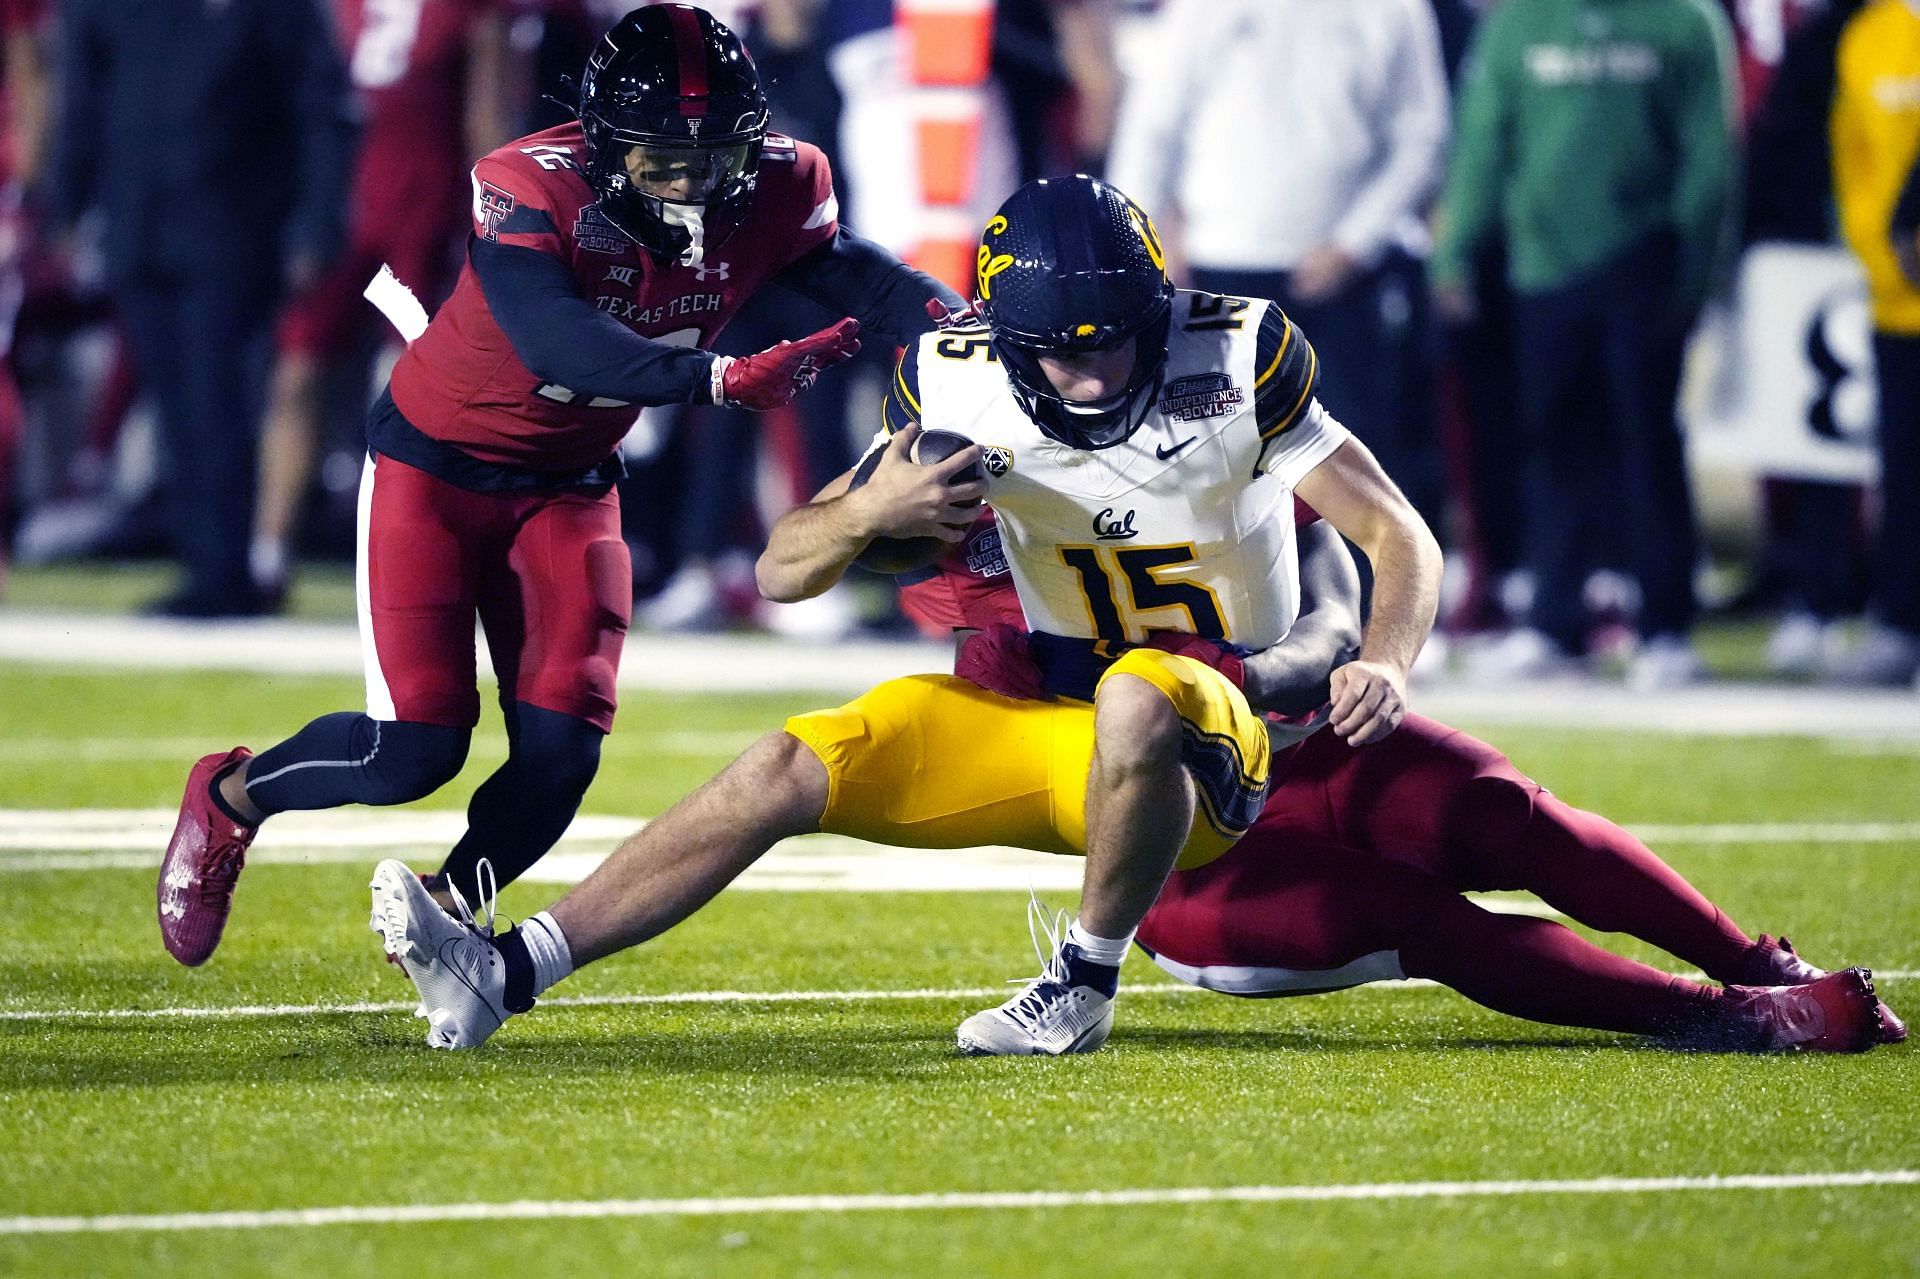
(1072, 264)
(674, 118)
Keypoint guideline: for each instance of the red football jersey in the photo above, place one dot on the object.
(972, 588)
(461, 381)
(407, 60)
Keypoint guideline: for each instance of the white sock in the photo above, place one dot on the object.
(267, 560)
(1110, 951)
(547, 948)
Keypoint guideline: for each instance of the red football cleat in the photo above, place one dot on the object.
(1837, 1014)
(1774, 962)
(203, 860)
(1892, 1029)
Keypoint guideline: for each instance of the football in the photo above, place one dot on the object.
(903, 554)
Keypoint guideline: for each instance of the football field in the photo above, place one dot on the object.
(772, 1089)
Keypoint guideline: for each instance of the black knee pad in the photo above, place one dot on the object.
(411, 761)
(554, 753)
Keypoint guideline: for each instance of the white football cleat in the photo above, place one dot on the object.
(453, 963)
(1051, 1016)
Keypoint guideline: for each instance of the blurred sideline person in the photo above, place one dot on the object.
(589, 289)
(215, 141)
(1300, 143)
(1145, 444)
(435, 86)
(1597, 136)
(23, 76)
(1876, 139)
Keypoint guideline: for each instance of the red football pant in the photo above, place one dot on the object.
(546, 573)
(1281, 900)
(1443, 802)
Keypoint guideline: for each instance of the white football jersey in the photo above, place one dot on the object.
(1186, 525)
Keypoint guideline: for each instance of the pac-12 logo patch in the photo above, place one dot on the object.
(592, 231)
(1199, 396)
(491, 206)
(999, 459)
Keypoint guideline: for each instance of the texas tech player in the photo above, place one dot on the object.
(603, 255)
(1354, 870)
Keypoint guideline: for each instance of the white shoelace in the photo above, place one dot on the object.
(1030, 1009)
(489, 895)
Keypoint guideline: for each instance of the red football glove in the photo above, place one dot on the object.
(776, 375)
(1200, 650)
(945, 317)
(998, 660)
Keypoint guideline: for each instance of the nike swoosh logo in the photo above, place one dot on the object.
(1163, 453)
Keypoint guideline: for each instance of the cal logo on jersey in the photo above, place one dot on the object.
(1200, 396)
(492, 205)
(591, 230)
(999, 459)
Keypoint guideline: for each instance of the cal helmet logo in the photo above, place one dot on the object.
(990, 263)
(1148, 235)
(998, 458)
(1201, 396)
(491, 206)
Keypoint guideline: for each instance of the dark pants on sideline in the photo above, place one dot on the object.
(201, 347)
(1375, 375)
(1896, 593)
(1599, 365)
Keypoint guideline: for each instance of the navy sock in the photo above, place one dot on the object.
(220, 801)
(1082, 971)
(519, 965)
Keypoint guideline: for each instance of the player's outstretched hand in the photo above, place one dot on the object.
(905, 499)
(1369, 701)
(1205, 651)
(1000, 660)
(776, 375)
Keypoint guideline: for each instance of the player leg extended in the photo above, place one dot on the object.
(1178, 772)
(421, 545)
(1440, 799)
(925, 762)
(1291, 913)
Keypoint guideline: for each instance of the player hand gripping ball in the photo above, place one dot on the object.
(1000, 660)
(773, 377)
(924, 489)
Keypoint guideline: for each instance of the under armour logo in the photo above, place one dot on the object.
(621, 274)
(718, 271)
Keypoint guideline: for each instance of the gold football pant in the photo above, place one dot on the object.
(932, 761)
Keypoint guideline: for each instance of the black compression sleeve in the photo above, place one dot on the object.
(561, 338)
(857, 277)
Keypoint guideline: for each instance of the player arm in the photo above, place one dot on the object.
(810, 547)
(849, 275)
(1476, 174)
(1293, 676)
(562, 339)
(311, 63)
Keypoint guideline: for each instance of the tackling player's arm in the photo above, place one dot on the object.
(849, 275)
(1293, 676)
(1336, 475)
(810, 547)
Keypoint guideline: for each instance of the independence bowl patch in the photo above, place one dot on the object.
(1200, 396)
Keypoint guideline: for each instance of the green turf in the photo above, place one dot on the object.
(860, 1097)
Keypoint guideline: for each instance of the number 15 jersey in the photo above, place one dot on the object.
(1187, 525)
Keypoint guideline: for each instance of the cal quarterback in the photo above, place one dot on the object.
(1144, 446)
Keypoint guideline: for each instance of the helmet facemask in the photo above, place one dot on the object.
(674, 197)
(1088, 424)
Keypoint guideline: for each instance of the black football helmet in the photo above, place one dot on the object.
(1072, 264)
(674, 120)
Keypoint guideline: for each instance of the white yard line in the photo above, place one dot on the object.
(547, 1209)
(765, 663)
(248, 1011)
